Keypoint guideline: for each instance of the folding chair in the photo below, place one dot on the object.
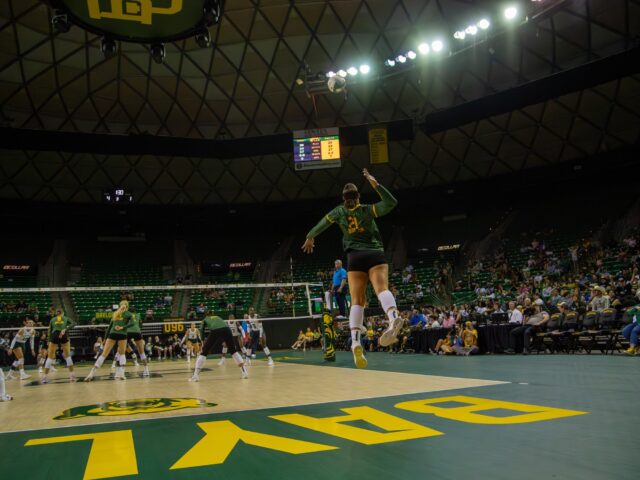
(548, 338)
(616, 340)
(587, 334)
(607, 321)
(567, 339)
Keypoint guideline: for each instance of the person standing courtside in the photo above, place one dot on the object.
(339, 287)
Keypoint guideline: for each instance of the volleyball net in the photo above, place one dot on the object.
(165, 310)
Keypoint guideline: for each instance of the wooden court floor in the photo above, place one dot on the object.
(405, 416)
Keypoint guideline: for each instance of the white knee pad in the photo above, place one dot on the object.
(69, 361)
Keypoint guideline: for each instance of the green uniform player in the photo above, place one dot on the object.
(219, 333)
(366, 262)
(119, 326)
(58, 328)
(134, 335)
(116, 336)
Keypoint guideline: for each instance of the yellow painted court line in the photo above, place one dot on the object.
(300, 371)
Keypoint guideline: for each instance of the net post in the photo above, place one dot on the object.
(309, 306)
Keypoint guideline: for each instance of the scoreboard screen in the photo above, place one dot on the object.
(117, 196)
(313, 149)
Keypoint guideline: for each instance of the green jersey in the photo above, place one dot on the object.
(212, 323)
(125, 320)
(60, 323)
(134, 326)
(358, 225)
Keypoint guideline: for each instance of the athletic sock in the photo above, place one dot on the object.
(99, 362)
(199, 364)
(266, 351)
(388, 303)
(356, 319)
(224, 351)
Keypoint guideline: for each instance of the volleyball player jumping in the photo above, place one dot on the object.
(366, 261)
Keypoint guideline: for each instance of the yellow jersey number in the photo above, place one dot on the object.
(354, 225)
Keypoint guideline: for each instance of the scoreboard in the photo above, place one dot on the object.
(117, 196)
(314, 149)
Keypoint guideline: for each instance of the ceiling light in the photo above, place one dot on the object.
(364, 69)
(352, 71)
(510, 13)
(342, 73)
(331, 74)
(390, 63)
(459, 35)
(471, 30)
(411, 55)
(437, 46)
(484, 24)
(401, 58)
(423, 48)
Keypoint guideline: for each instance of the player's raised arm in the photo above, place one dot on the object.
(387, 201)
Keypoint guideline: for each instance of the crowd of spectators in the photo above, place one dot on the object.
(588, 276)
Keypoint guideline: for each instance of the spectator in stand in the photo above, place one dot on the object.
(339, 287)
(445, 345)
(309, 337)
(301, 341)
(449, 321)
(515, 313)
(632, 331)
(599, 300)
(432, 322)
(417, 319)
(469, 341)
(521, 336)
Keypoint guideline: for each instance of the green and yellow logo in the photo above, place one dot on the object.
(136, 20)
(133, 407)
(140, 11)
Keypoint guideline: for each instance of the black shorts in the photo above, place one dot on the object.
(136, 337)
(58, 339)
(117, 336)
(365, 260)
(216, 338)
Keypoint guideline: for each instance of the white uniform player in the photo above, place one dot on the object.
(258, 338)
(236, 331)
(18, 346)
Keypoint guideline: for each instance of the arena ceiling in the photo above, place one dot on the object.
(245, 85)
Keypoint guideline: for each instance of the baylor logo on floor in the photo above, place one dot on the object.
(216, 439)
(133, 407)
